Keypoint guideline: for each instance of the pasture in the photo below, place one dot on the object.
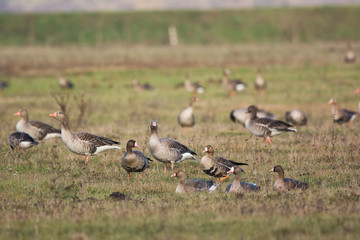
(47, 192)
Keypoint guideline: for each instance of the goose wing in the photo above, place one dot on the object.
(97, 141)
(170, 143)
(44, 128)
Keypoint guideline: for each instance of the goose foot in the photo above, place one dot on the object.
(223, 178)
(172, 166)
(139, 175)
(86, 159)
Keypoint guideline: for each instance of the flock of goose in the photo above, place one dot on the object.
(168, 151)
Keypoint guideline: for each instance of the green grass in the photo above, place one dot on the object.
(212, 27)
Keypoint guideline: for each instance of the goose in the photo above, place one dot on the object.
(134, 161)
(341, 115)
(65, 83)
(240, 115)
(3, 85)
(139, 87)
(238, 186)
(296, 117)
(37, 130)
(22, 140)
(265, 127)
(232, 85)
(216, 166)
(357, 91)
(260, 85)
(191, 185)
(282, 183)
(167, 150)
(193, 88)
(350, 54)
(186, 116)
(83, 143)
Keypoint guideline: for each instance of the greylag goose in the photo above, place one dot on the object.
(296, 117)
(139, 87)
(350, 54)
(186, 116)
(240, 115)
(19, 140)
(37, 130)
(265, 127)
(282, 183)
(341, 115)
(167, 150)
(358, 91)
(238, 186)
(260, 85)
(192, 185)
(232, 86)
(216, 166)
(193, 88)
(134, 161)
(65, 83)
(83, 143)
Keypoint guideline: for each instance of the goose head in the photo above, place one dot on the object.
(332, 101)
(277, 169)
(22, 113)
(153, 126)
(59, 116)
(178, 173)
(208, 149)
(131, 144)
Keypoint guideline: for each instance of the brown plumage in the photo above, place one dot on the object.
(216, 166)
(282, 184)
(193, 87)
(37, 130)
(341, 115)
(21, 140)
(350, 54)
(83, 143)
(186, 117)
(192, 185)
(238, 186)
(65, 83)
(232, 86)
(134, 161)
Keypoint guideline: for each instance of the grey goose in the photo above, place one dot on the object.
(216, 166)
(134, 161)
(238, 186)
(265, 127)
(21, 140)
(283, 183)
(240, 115)
(36, 129)
(167, 150)
(341, 115)
(186, 117)
(234, 85)
(83, 143)
(260, 84)
(191, 185)
(350, 54)
(65, 83)
(296, 117)
(193, 87)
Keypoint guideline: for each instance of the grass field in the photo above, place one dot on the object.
(49, 193)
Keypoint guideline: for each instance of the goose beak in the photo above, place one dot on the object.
(137, 146)
(231, 170)
(173, 175)
(271, 170)
(246, 111)
(52, 115)
(17, 113)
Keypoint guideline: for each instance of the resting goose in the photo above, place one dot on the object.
(350, 54)
(296, 117)
(82, 143)
(193, 88)
(240, 115)
(134, 161)
(341, 115)
(238, 186)
(186, 116)
(18, 140)
(260, 85)
(216, 166)
(282, 183)
(167, 150)
(232, 85)
(192, 185)
(265, 127)
(37, 130)
(139, 87)
(65, 83)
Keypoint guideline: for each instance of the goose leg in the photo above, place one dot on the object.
(139, 175)
(223, 178)
(182, 129)
(86, 159)
(128, 176)
(268, 139)
(172, 166)
(164, 167)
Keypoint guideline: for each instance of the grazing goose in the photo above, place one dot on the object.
(296, 117)
(240, 115)
(65, 83)
(282, 183)
(186, 116)
(341, 115)
(139, 87)
(134, 161)
(82, 143)
(37, 130)
(167, 150)
(18, 140)
(193, 88)
(260, 85)
(350, 54)
(238, 186)
(358, 91)
(232, 85)
(192, 185)
(216, 166)
(265, 127)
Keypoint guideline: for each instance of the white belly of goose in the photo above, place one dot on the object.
(52, 135)
(104, 148)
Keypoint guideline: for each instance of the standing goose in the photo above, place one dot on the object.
(358, 91)
(350, 54)
(192, 185)
(238, 186)
(134, 161)
(193, 88)
(282, 183)
(65, 83)
(232, 86)
(167, 150)
(240, 115)
(186, 116)
(296, 117)
(260, 85)
(18, 140)
(37, 130)
(82, 143)
(341, 115)
(265, 127)
(216, 166)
